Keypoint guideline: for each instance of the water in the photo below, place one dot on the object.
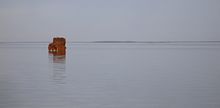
(110, 76)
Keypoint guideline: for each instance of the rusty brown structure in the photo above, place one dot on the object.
(58, 46)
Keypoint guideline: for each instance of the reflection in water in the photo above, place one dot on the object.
(58, 62)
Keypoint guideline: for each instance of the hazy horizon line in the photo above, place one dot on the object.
(115, 42)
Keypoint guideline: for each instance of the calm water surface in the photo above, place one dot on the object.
(110, 76)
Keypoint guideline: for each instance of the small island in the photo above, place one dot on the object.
(57, 47)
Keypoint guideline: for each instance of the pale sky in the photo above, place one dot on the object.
(94, 20)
